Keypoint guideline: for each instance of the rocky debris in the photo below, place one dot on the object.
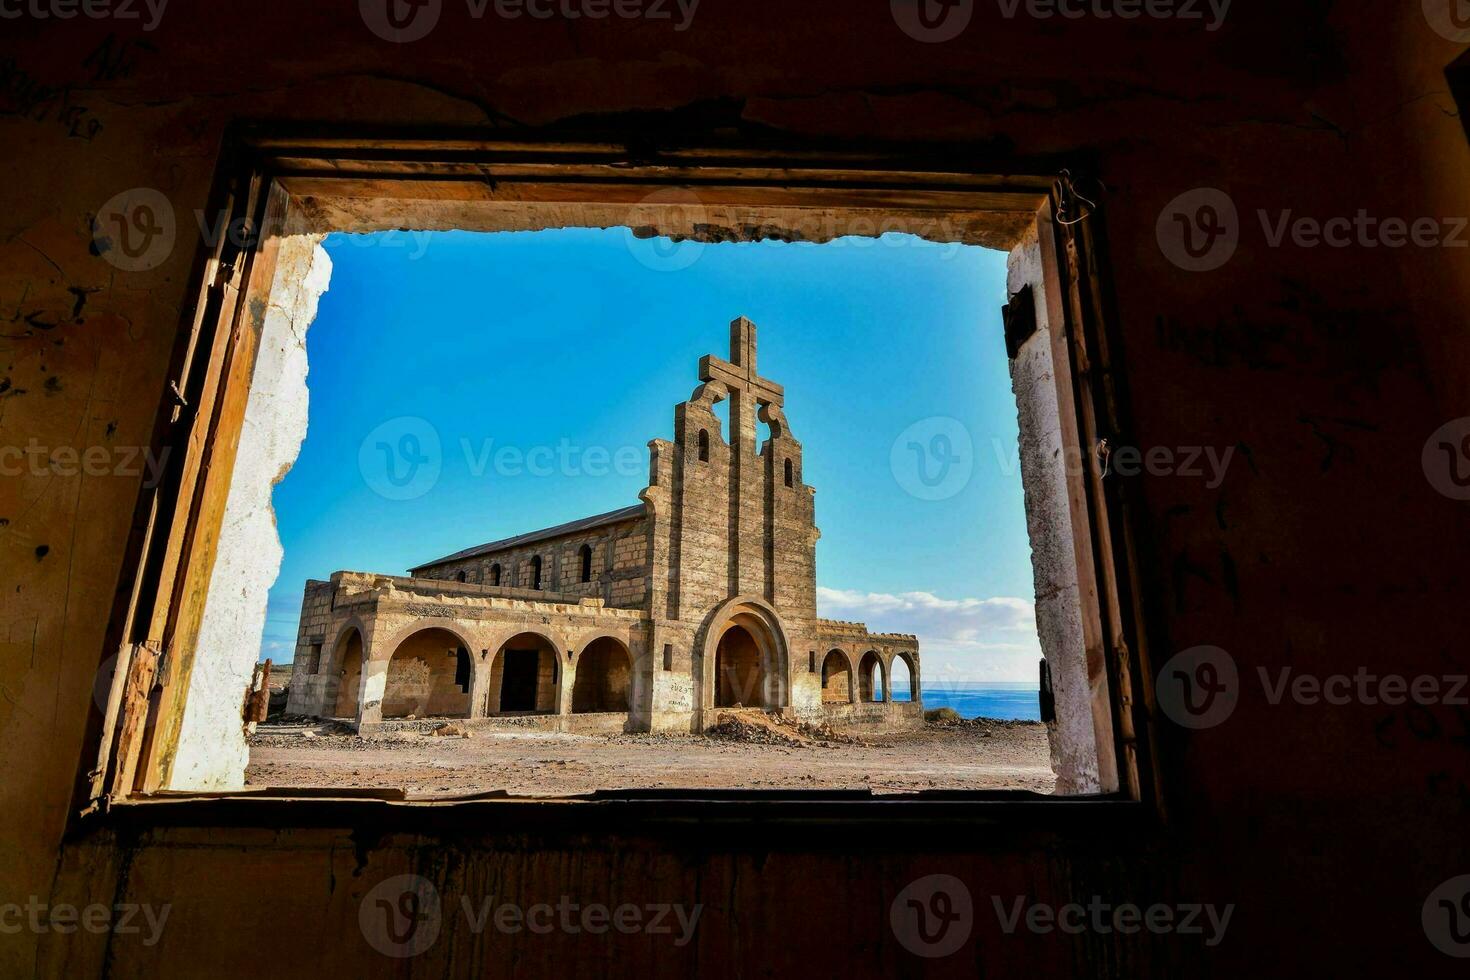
(448, 730)
(752, 728)
(947, 718)
(755, 727)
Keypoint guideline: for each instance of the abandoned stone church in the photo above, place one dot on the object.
(648, 618)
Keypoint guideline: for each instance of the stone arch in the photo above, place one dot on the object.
(908, 690)
(348, 654)
(755, 617)
(872, 678)
(837, 677)
(518, 683)
(602, 676)
(426, 677)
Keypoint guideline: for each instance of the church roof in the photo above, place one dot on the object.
(530, 537)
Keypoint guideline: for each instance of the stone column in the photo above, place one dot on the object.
(374, 683)
(480, 683)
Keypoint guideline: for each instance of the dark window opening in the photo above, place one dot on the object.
(811, 656)
(536, 572)
(668, 656)
(495, 574)
(586, 553)
(518, 683)
(460, 577)
(788, 474)
(703, 446)
(462, 669)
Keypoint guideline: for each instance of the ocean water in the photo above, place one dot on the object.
(1016, 701)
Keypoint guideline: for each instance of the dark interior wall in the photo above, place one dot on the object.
(1325, 549)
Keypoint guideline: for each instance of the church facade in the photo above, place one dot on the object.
(649, 618)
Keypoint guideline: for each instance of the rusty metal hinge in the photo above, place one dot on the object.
(165, 661)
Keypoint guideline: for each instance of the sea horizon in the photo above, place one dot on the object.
(1006, 700)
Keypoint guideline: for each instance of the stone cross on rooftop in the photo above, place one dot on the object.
(738, 373)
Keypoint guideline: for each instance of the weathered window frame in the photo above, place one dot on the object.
(273, 180)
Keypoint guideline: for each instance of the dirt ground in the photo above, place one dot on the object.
(978, 754)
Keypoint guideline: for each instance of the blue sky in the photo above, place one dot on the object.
(542, 363)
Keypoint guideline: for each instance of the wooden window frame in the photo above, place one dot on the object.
(270, 178)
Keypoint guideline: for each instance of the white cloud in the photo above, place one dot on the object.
(959, 639)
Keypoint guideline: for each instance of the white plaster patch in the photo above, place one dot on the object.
(212, 752)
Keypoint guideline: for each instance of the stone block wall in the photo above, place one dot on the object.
(620, 565)
(311, 680)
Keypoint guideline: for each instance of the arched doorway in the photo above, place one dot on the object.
(430, 674)
(604, 677)
(524, 676)
(836, 678)
(740, 675)
(903, 680)
(870, 677)
(743, 658)
(347, 662)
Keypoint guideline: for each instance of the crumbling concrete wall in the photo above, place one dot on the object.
(1044, 474)
(212, 752)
